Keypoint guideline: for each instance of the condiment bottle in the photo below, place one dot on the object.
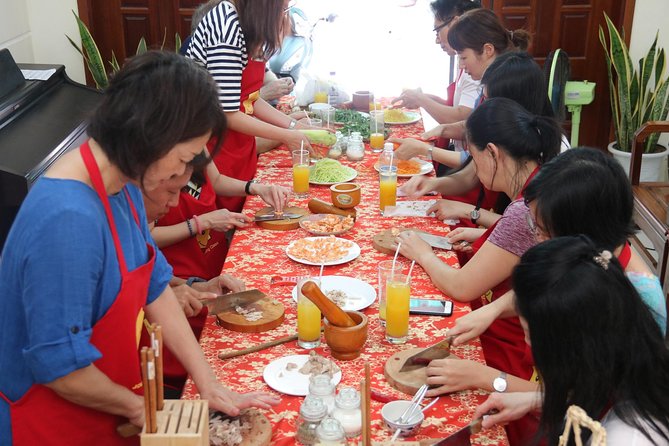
(347, 411)
(321, 386)
(330, 433)
(312, 411)
(356, 149)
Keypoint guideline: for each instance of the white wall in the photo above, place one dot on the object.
(34, 31)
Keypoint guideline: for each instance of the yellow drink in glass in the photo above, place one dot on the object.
(321, 97)
(308, 323)
(376, 141)
(387, 187)
(382, 310)
(397, 310)
(301, 180)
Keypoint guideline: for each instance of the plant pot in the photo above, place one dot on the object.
(651, 163)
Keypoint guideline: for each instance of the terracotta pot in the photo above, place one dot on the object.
(345, 195)
(347, 342)
(651, 163)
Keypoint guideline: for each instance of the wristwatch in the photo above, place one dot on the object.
(499, 383)
(292, 124)
(475, 214)
(247, 188)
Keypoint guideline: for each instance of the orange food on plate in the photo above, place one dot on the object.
(329, 224)
(408, 167)
(321, 249)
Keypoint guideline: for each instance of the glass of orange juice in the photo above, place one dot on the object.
(385, 269)
(376, 126)
(387, 186)
(321, 97)
(301, 173)
(308, 318)
(398, 293)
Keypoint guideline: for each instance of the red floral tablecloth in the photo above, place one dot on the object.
(258, 254)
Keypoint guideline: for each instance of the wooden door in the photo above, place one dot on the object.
(118, 25)
(573, 26)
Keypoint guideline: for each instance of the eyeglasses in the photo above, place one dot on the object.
(443, 25)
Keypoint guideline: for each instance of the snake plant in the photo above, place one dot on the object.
(637, 94)
(91, 54)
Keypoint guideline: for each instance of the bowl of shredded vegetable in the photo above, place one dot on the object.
(395, 116)
(327, 172)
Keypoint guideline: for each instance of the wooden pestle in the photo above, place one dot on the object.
(335, 315)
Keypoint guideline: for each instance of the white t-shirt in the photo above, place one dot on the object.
(466, 93)
(619, 433)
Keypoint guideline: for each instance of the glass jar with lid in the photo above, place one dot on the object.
(312, 411)
(347, 411)
(321, 386)
(331, 433)
(356, 148)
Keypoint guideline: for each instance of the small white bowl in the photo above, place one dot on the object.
(393, 410)
(319, 106)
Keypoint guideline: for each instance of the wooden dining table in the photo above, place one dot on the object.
(256, 255)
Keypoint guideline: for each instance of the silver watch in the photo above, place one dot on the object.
(499, 383)
(292, 124)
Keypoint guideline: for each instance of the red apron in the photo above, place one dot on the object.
(200, 256)
(237, 157)
(41, 416)
(504, 346)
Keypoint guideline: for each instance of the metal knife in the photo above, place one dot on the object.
(434, 240)
(463, 436)
(227, 302)
(273, 216)
(439, 350)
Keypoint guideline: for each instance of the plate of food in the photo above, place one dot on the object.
(322, 250)
(348, 293)
(327, 172)
(290, 374)
(345, 116)
(411, 168)
(394, 116)
(326, 224)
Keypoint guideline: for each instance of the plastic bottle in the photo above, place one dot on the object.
(333, 92)
(386, 157)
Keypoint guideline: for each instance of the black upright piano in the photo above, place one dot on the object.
(40, 120)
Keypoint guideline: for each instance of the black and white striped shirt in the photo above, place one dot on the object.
(218, 44)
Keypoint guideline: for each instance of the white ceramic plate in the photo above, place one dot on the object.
(425, 167)
(353, 252)
(360, 294)
(413, 117)
(316, 217)
(352, 173)
(290, 382)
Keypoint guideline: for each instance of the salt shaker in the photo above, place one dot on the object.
(347, 411)
(356, 149)
(331, 433)
(321, 386)
(312, 411)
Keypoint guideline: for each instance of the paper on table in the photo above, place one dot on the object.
(38, 75)
(414, 209)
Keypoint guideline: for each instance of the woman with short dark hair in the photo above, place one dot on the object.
(79, 265)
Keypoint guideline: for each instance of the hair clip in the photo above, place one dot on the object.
(603, 259)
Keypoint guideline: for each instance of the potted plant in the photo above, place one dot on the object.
(637, 94)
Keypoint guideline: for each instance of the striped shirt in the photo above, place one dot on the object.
(218, 44)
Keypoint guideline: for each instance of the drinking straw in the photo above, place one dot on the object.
(308, 119)
(302, 152)
(397, 251)
(320, 275)
(391, 161)
(413, 262)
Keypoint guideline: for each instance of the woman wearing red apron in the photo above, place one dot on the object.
(507, 145)
(78, 266)
(234, 41)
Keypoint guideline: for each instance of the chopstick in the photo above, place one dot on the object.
(157, 344)
(151, 372)
(257, 348)
(367, 436)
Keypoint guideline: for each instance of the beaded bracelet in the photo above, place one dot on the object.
(190, 228)
(197, 225)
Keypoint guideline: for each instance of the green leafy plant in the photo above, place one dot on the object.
(634, 98)
(91, 54)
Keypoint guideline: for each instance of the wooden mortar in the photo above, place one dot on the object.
(330, 310)
(347, 342)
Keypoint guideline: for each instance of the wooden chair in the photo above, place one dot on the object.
(650, 206)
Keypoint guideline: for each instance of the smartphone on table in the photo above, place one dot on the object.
(431, 307)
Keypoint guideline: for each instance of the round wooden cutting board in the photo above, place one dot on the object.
(407, 382)
(385, 241)
(281, 225)
(273, 315)
(260, 432)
